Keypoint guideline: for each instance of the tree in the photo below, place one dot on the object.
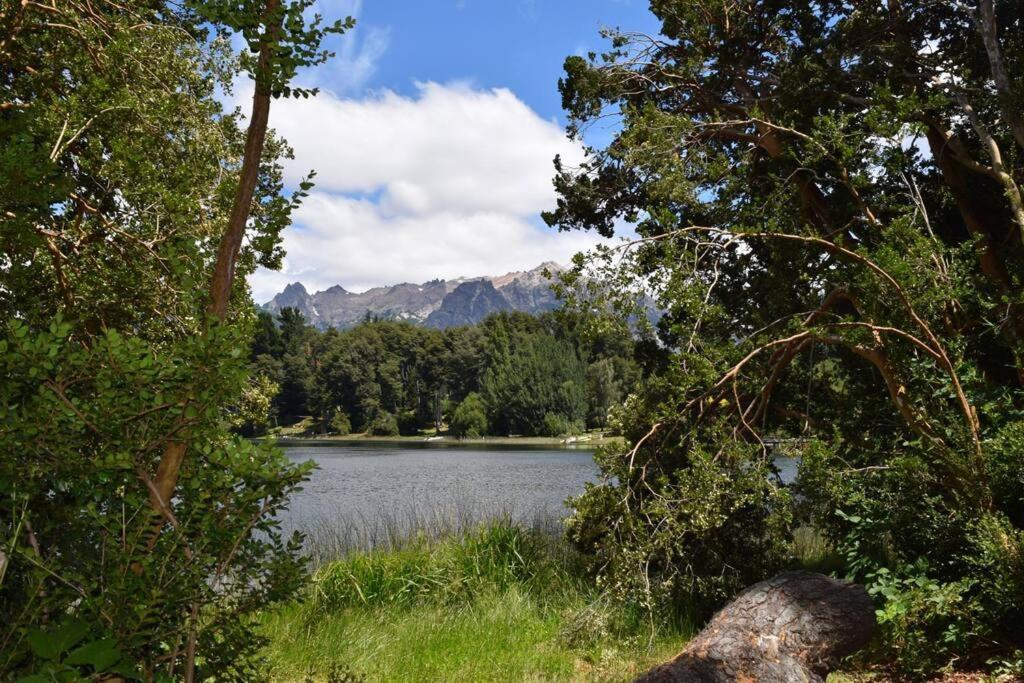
(253, 411)
(828, 202)
(536, 375)
(121, 177)
(464, 347)
(293, 399)
(295, 333)
(469, 418)
(266, 340)
(603, 391)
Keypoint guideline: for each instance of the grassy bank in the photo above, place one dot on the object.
(496, 603)
(306, 431)
(536, 441)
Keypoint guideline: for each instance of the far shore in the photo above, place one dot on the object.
(581, 441)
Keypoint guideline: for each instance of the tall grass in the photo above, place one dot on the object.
(464, 593)
(496, 600)
(334, 536)
(812, 551)
(491, 558)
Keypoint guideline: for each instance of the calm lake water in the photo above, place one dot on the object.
(369, 490)
(371, 494)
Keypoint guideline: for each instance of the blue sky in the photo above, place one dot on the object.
(516, 44)
(433, 138)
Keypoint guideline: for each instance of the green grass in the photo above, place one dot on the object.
(499, 637)
(498, 603)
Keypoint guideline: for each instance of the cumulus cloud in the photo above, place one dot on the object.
(449, 147)
(356, 52)
(444, 183)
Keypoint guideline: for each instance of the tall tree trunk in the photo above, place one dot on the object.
(231, 241)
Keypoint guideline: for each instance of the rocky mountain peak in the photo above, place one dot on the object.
(437, 303)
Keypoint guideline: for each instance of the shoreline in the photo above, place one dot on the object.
(577, 442)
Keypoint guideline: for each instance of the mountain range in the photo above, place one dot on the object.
(438, 303)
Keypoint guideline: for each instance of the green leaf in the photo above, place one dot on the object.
(99, 654)
(43, 645)
(35, 678)
(69, 634)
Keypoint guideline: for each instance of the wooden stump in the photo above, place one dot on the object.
(794, 627)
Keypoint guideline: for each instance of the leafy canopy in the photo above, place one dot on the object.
(828, 201)
(118, 168)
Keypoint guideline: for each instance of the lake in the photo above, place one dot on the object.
(367, 494)
(370, 494)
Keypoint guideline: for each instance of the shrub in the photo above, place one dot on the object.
(408, 424)
(721, 524)
(470, 418)
(340, 423)
(948, 578)
(556, 425)
(924, 622)
(384, 424)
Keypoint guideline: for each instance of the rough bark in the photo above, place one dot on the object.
(794, 627)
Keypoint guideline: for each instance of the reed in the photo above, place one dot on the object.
(334, 535)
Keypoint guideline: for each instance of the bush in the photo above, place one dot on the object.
(470, 418)
(924, 622)
(239, 558)
(408, 424)
(340, 423)
(948, 578)
(560, 425)
(384, 424)
(677, 543)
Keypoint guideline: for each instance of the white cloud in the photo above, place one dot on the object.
(353, 243)
(450, 147)
(356, 52)
(445, 183)
(356, 61)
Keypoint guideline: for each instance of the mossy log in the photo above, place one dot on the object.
(794, 627)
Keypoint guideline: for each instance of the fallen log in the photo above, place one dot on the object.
(794, 627)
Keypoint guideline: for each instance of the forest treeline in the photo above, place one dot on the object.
(511, 374)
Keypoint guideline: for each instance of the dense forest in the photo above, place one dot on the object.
(512, 374)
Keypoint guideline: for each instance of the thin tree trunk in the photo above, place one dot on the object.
(989, 36)
(231, 242)
(173, 456)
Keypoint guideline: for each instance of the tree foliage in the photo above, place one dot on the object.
(120, 176)
(519, 370)
(535, 376)
(470, 417)
(828, 202)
